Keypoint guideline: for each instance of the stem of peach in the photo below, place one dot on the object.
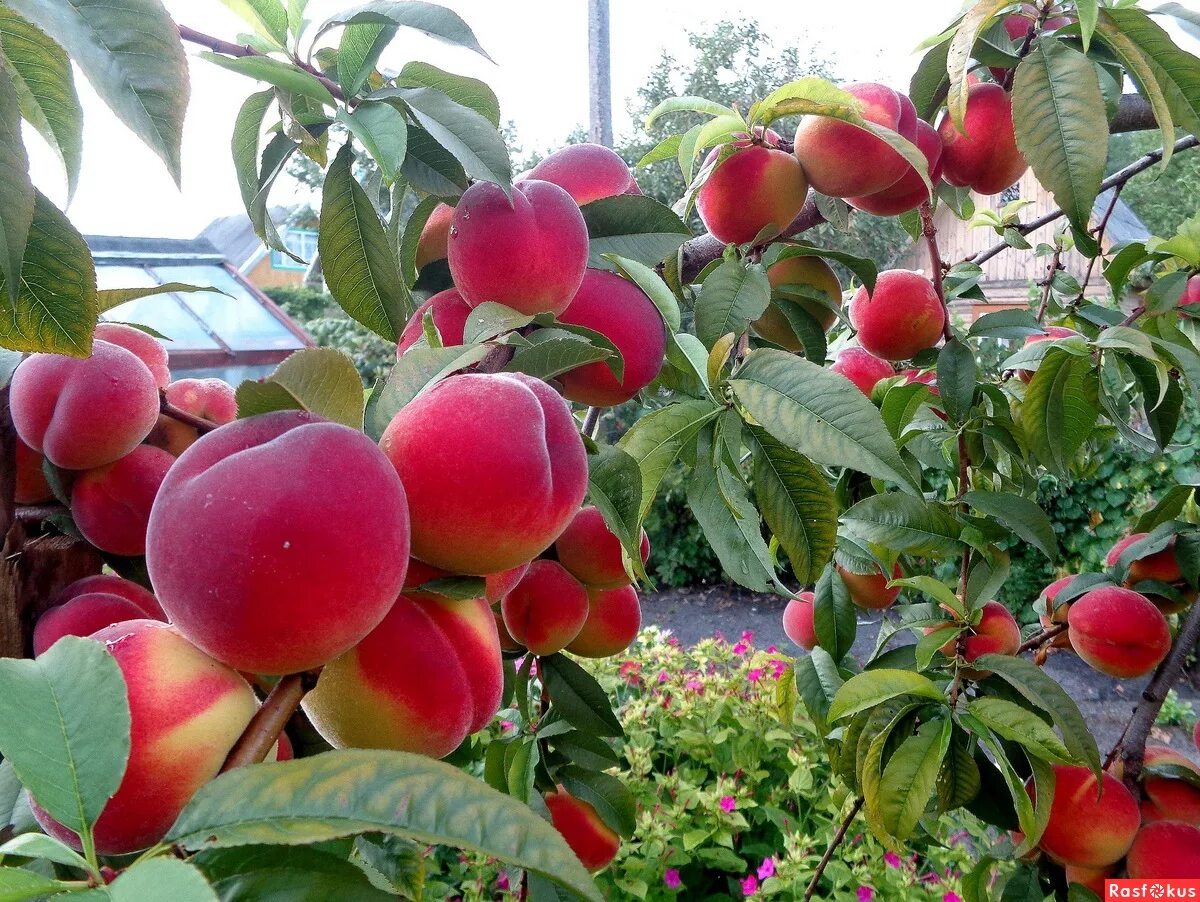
(200, 424)
(269, 720)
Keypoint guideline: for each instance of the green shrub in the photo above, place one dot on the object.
(679, 553)
(300, 302)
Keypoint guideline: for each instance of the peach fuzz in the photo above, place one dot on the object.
(798, 620)
(449, 312)
(435, 235)
(900, 318)
(494, 469)
(984, 156)
(755, 187)
(861, 368)
(84, 413)
(31, 486)
(210, 399)
(111, 505)
(1119, 632)
(592, 841)
(528, 253)
(910, 191)
(82, 616)
(1090, 825)
(111, 584)
(807, 272)
(422, 681)
(587, 172)
(547, 610)
(1166, 850)
(187, 711)
(593, 553)
(1169, 799)
(870, 590)
(1050, 614)
(613, 620)
(144, 346)
(256, 545)
(843, 160)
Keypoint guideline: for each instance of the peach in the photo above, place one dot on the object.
(593, 841)
(587, 172)
(449, 313)
(861, 368)
(84, 413)
(758, 186)
(547, 609)
(1119, 632)
(497, 585)
(422, 681)
(256, 543)
(1170, 799)
(1051, 333)
(902, 317)
(613, 620)
(507, 642)
(984, 156)
(593, 553)
(1019, 25)
(111, 584)
(910, 191)
(494, 470)
(435, 235)
(529, 254)
(284, 750)
(843, 160)
(997, 633)
(111, 504)
(798, 620)
(1090, 825)
(1050, 614)
(870, 590)
(31, 486)
(186, 710)
(210, 399)
(622, 313)
(144, 346)
(1166, 850)
(1191, 296)
(1160, 566)
(82, 616)
(805, 272)
(1091, 878)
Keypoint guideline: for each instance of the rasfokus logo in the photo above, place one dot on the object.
(1152, 889)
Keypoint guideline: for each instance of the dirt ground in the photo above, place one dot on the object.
(694, 614)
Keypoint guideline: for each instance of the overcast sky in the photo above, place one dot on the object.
(540, 76)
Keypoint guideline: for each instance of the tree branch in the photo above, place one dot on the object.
(929, 231)
(168, 409)
(1041, 638)
(269, 720)
(833, 846)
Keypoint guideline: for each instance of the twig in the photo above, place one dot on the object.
(269, 720)
(591, 421)
(35, 513)
(929, 231)
(496, 359)
(1051, 272)
(168, 409)
(1035, 29)
(1037, 641)
(1100, 230)
(1133, 317)
(833, 846)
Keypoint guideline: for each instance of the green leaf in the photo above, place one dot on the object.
(863, 268)
(1006, 324)
(107, 298)
(797, 504)
(615, 488)
(807, 96)
(554, 351)
(470, 92)
(721, 503)
(732, 296)
(274, 72)
(930, 83)
(360, 269)
(652, 285)
(835, 618)
(904, 523)
(320, 380)
(957, 376)
(1016, 724)
(1036, 686)
(430, 168)
(417, 370)
(657, 439)
(910, 778)
(688, 105)
(435, 21)
(958, 54)
(578, 698)
(131, 54)
(1061, 407)
(244, 145)
(64, 724)
(1021, 515)
(1089, 13)
(16, 190)
(17, 885)
(161, 880)
(469, 137)
(872, 687)
(819, 414)
(818, 682)
(45, 85)
(268, 17)
(358, 53)
(300, 874)
(355, 791)
(383, 132)
(1061, 125)
(633, 227)
(56, 307)
(608, 795)
(46, 848)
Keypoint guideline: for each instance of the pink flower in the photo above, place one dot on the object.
(502, 880)
(673, 642)
(671, 878)
(778, 668)
(662, 676)
(891, 859)
(506, 725)
(754, 675)
(766, 869)
(865, 894)
(749, 885)
(695, 685)
(728, 803)
(740, 648)
(748, 636)
(772, 649)
(951, 897)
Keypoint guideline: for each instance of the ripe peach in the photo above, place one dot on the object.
(1018, 25)
(187, 711)
(435, 235)
(529, 254)
(757, 186)
(593, 841)
(111, 504)
(843, 160)
(1051, 333)
(861, 368)
(547, 609)
(1092, 878)
(622, 313)
(450, 314)
(111, 584)
(910, 191)
(82, 616)
(84, 413)
(1166, 850)
(144, 346)
(1160, 566)
(422, 681)
(1170, 799)
(613, 620)
(507, 642)
(31, 486)
(587, 172)
(984, 156)
(808, 272)
(798, 620)
(870, 590)
(497, 585)
(494, 470)
(1191, 295)
(592, 552)
(1119, 632)
(1050, 614)
(997, 633)
(211, 399)
(902, 317)
(1090, 826)
(256, 546)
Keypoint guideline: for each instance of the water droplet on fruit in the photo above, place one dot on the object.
(453, 231)
(287, 545)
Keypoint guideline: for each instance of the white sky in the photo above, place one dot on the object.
(540, 77)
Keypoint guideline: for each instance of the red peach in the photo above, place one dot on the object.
(450, 313)
(111, 504)
(1090, 825)
(111, 584)
(1170, 799)
(613, 620)
(1050, 614)
(984, 156)
(798, 620)
(1119, 632)
(31, 486)
(756, 187)
(497, 585)
(283, 748)
(1191, 295)
(507, 642)
(587, 172)
(861, 368)
(807, 272)
(1092, 878)
(1052, 333)
(997, 633)
(902, 317)
(870, 590)
(593, 553)
(82, 616)
(529, 253)
(435, 235)
(210, 399)
(1160, 566)
(593, 841)
(1166, 850)
(910, 191)
(1019, 25)
(144, 346)
(547, 609)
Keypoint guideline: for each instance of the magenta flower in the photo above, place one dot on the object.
(728, 803)
(951, 897)
(865, 894)
(778, 668)
(502, 880)
(695, 685)
(772, 649)
(662, 676)
(754, 675)
(748, 636)
(673, 642)
(740, 648)
(749, 885)
(671, 878)
(891, 859)
(766, 869)
(506, 725)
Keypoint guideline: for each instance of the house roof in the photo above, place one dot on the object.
(109, 249)
(1124, 225)
(234, 236)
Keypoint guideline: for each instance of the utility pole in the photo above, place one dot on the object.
(599, 75)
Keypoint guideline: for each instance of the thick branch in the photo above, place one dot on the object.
(200, 424)
(269, 720)
(698, 252)
(1037, 641)
(1133, 115)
